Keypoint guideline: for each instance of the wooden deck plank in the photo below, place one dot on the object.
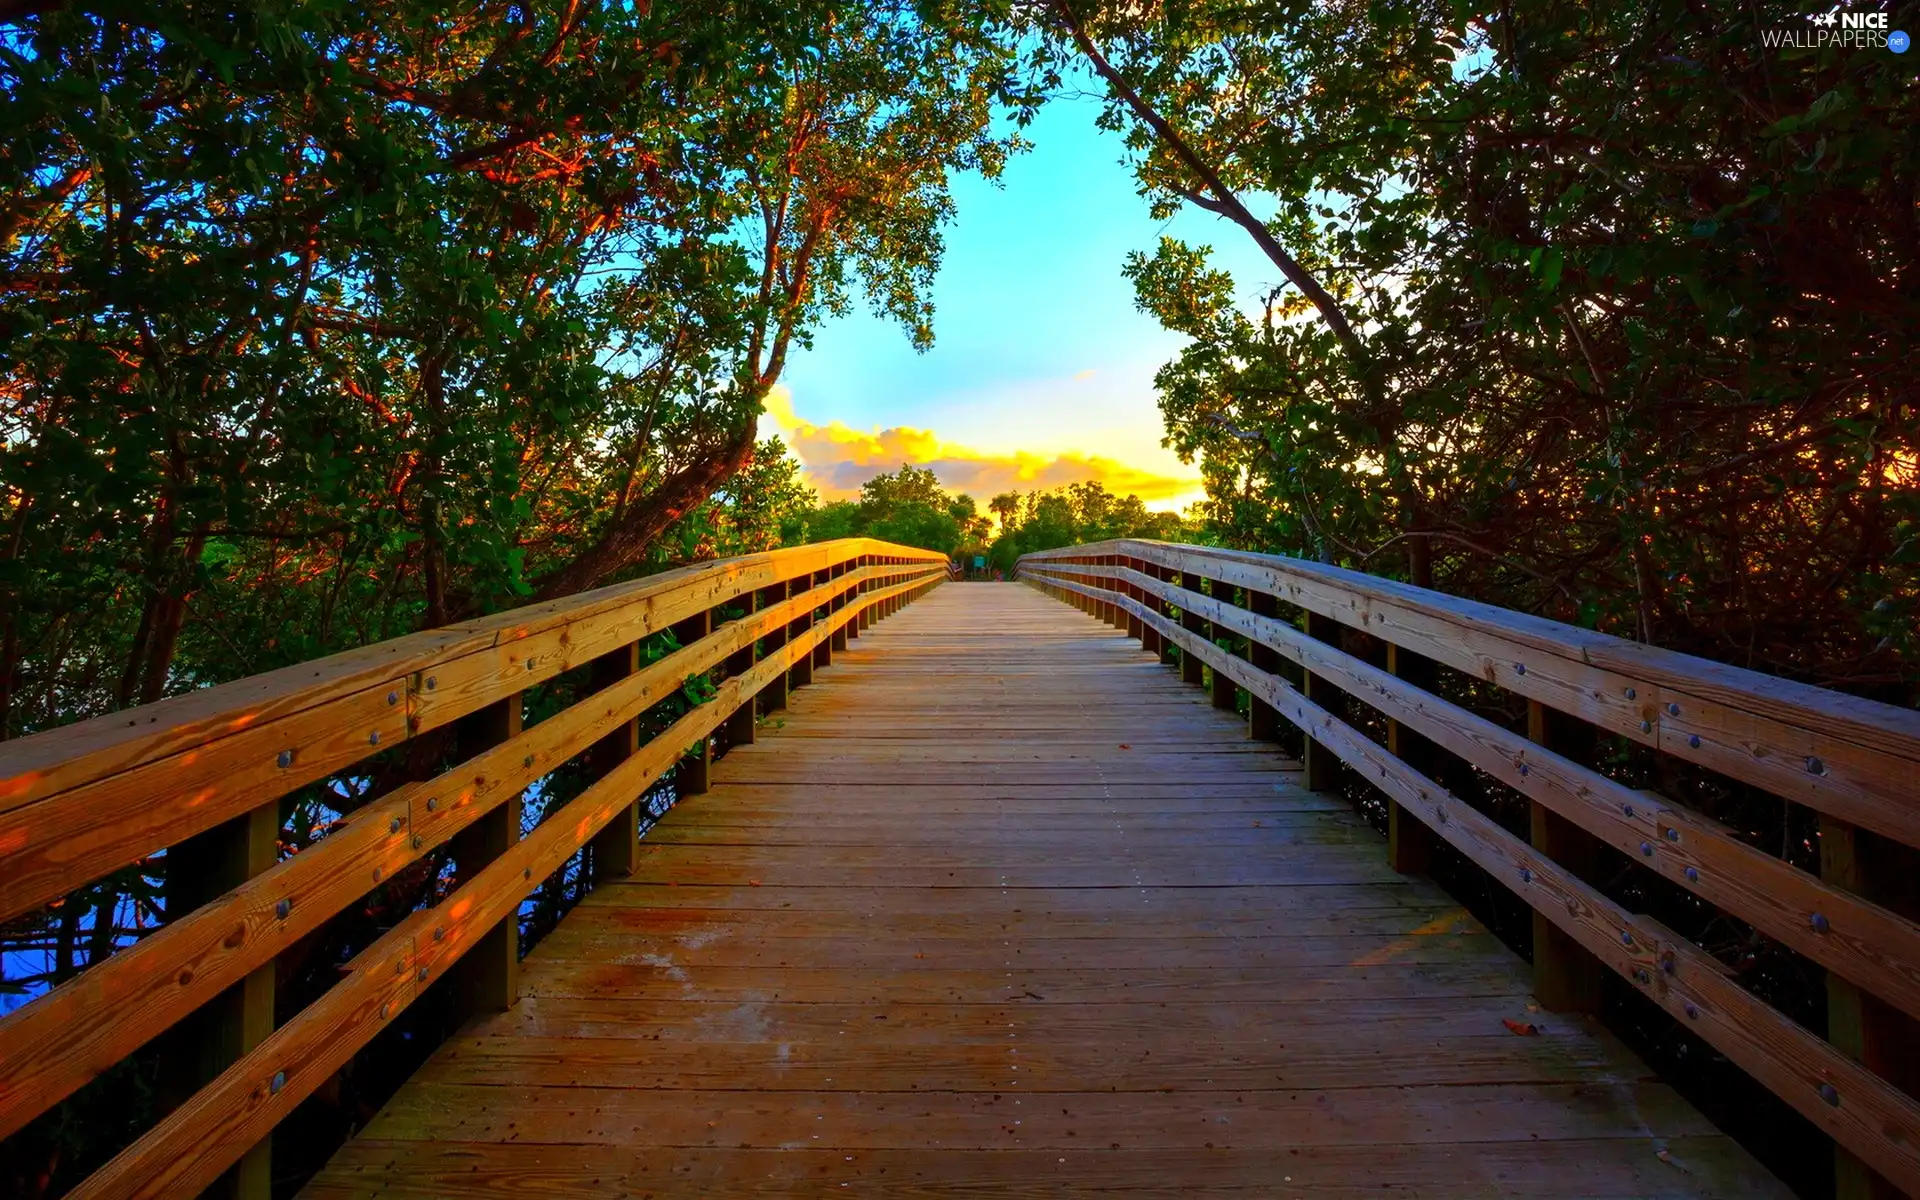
(1001, 906)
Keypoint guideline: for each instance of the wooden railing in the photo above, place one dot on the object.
(1852, 761)
(201, 776)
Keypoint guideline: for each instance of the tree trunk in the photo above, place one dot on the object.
(624, 541)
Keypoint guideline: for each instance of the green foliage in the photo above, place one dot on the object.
(908, 507)
(324, 322)
(1634, 299)
(1079, 512)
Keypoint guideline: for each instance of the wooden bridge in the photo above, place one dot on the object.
(1000, 903)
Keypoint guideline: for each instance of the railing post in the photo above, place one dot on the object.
(1192, 670)
(1860, 1024)
(1323, 765)
(487, 977)
(1117, 616)
(691, 774)
(1224, 689)
(800, 674)
(823, 651)
(1135, 627)
(1409, 842)
(740, 726)
(1263, 720)
(838, 641)
(616, 848)
(773, 697)
(1566, 976)
(1151, 639)
(199, 870)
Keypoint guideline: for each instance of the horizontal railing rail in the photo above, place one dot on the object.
(1850, 760)
(211, 768)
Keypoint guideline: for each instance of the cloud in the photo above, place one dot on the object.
(838, 459)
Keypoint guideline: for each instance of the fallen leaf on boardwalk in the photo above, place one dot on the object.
(1125, 746)
(1521, 1028)
(754, 882)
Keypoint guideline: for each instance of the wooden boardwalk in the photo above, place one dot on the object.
(1001, 906)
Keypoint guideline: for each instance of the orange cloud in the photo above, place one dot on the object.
(838, 459)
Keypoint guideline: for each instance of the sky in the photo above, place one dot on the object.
(1041, 373)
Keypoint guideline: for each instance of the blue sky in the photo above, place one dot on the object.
(1042, 368)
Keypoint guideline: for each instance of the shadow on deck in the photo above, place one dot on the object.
(1004, 906)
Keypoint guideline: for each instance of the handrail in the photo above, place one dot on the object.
(79, 802)
(1852, 760)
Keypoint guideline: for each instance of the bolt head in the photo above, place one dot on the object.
(1819, 922)
(433, 681)
(283, 909)
(1830, 1094)
(418, 841)
(527, 874)
(1673, 710)
(1693, 874)
(373, 739)
(1526, 875)
(1523, 770)
(1626, 810)
(1626, 938)
(1646, 727)
(529, 664)
(1632, 694)
(279, 1081)
(432, 803)
(1646, 848)
(1815, 766)
(1519, 668)
(422, 974)
(285, 759)
(1693, 740)
(1690, 1009)
(439, 935)
(1673, 835)
(393, 826)
(393, 698)
(377, 873)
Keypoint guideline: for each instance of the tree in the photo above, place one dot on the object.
(326, 323)
(1631, 290)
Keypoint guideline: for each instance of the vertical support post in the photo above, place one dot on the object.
(1135, 628)
(859, 620)
(203, 1045)
(487, 977)
(800, 674)
(773, 697)
(740, 726)
(616, 848)
(1225, 691)
(1566, 976)
(1150, 638)
(1409, 842)
(1323, 765)
(823, 651)
(840, 632)
(1192, 670)
(1860, 1024)
(690, 774)
(1263, 720)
